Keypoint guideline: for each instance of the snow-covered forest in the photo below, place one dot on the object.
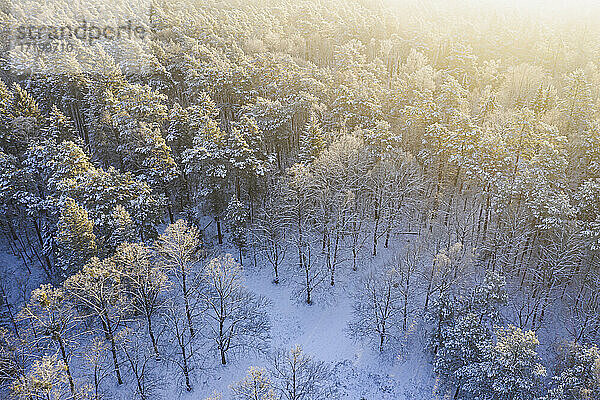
(300, 200)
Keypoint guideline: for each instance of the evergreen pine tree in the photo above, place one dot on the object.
(312, 141)
(75, 239)
(511, 370)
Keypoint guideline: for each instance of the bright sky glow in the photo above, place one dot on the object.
(532, 5)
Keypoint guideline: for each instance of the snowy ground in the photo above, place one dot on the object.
(358, 372)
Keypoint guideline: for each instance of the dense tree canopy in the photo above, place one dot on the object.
(437, 165)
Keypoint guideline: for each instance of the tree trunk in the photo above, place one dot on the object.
(457, 391)
(219, 233)
(152, 338)
(113, 347)
(96, 383)
(429, 286)
(223, 360)
(276, 269)
(63, 353)
(221, 344)
(376, 229)
(188, 313)
(405, 312)
(186, 370)
(136, 372)
(308, 289)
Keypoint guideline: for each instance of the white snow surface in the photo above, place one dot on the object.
(358, 370)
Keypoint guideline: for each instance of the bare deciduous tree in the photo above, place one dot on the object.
(54, 322)
(271, 231)
(45, 380)
(236, 320)
(311, 274)
(296, 376)
(96, 291)
(179, 249)
(182, 354)
(11, 360)
(255, 386)
(144, 281)
(378, 309)
(97, 364)
(140, 358)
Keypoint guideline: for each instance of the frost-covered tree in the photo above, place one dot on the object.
(22, 120)
(184, 123)
(236, 320)
(140, 360)
(465, 342)
(578, 374)
(588, 212)
(96, 290)
(377, 313)
(297, 376)
(179, 249)
(255, 386)
(270, 231)
(584, 318)
(60, 127)
(394, 185)
(312, 141)
(46, 379)
(182, 356)
(462, 334)
(54, 323)
(206, 163)
(247, 160)
(97, 365)
(311, 275)
(148, 156)
(380, 138)
(144, 282)
(75, 239)
(356, 223)
(449, 268)
(487, 299)
(334, 181)
(215, 396)
(126, 121)
(47, 170)
(511, 369)
(11, 362)
(406, 266)
(576, 104)
(237, 219)
(122, 229)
